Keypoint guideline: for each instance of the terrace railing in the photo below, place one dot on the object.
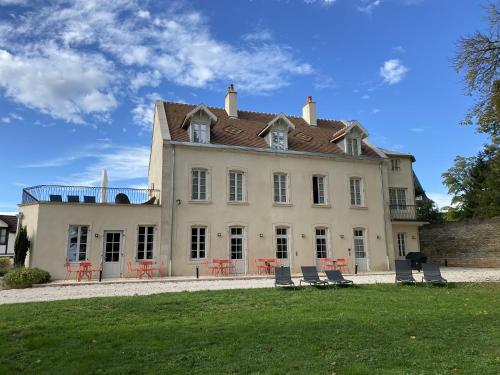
(89, 194)
(404, 213)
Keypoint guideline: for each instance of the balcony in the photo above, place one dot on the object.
(406, 212)
(89, 195)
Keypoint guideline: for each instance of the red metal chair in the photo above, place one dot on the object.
(342, 264)
(327, 264)
(260, 268)
(231, 267)
(159, 268)
(70, 270)
(214, 270)
(131, 269)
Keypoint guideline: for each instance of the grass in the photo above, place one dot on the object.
(378, 329)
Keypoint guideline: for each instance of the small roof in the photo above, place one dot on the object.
(282, 117)
(11, 221)
(352, 125)
(201, 107)
(397, 153)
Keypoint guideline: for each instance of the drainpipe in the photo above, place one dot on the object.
(172, 207)
(385, 214)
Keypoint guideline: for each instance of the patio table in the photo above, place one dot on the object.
(329, 264)
(223, 266)
(270, 264)
(145, 268)
(85, 268)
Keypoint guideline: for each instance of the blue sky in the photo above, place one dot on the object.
(78, 79)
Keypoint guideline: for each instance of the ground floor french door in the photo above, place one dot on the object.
(283, 248)
(320, 246)
(360, 256)
(237, 250)
(112, 254)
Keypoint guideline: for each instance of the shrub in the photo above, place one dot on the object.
(21, 246)
(5, 262)
(3, 271)
(25, 277)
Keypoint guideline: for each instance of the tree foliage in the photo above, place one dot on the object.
(21, 247)
(478, 56)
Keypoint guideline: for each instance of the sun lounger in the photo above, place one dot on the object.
(336, 277)
(403, 272)
(283, 277)
(310, 276)
(432, 274)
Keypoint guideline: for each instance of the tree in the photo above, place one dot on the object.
(428, 211)
(479, 56)
(21, 247)
(474, 183)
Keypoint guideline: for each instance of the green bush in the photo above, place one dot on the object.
(5, 262)
(3, 271)
(25, 277)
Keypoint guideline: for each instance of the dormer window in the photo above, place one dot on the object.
(353, 146)
(199, 132)
(279, 140)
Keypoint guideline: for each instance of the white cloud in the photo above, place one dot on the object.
(85, 52)
(6, 120)
(369, 7)
(417, 130)
(375, 110)
(393, 71)
(323, 2)
(324, 82)
(262, 35)
(441, 199)
(399, 49)
(365, 97)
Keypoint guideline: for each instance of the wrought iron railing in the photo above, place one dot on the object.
(404, 212)
(89, 194)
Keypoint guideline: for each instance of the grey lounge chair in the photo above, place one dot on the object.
(432, 274)
(283, 277)
(55, 197)
(336, 277)
(403, 272)
(310, 276)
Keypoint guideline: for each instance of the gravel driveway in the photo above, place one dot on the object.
(61, 291)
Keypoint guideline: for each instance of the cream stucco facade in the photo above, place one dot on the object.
(257, 215)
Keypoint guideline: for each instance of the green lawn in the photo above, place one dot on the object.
(379, 329)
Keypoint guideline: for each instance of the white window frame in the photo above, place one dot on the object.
(324, 192)
(201, 129)
(401, 237)
(353, 194)
(233, 196)
(145, 241)
(198, 243)
(398, 198)
(324, 237)
(78, 243)
(282, 180)
(359, 237)
(240, 236)
(279, 139)
(278, 237)
(396, 165)
(353, 146)
(5, 235)
(196, 192)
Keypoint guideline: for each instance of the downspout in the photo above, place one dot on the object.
(385, 214)
(172, 206)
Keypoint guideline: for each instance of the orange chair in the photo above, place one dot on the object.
(70, 270)
(97, 269)
(130, 269)
(231, 267)
(260, 268)
(327, 264)
(342, 264)
(159, 268)
(214, 270)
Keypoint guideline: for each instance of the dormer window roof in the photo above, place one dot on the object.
(276, 132)
(198, 123)
(349, 138)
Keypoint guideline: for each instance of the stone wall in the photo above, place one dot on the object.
(468, 243)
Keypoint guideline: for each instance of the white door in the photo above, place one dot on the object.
(283, 246)
(237, 248)
(320, 246)
(112, 254)
(360, 258)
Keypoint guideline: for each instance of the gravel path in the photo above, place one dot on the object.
(53, 291)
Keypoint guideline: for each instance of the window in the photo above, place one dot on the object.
(199, 133)
(321, 244)
(236, 186)
(319, 189)
(395, 165)
(280, 188)
(77, 246)
(353, 146)
(236, 242)
(198, 242)
(356, 195)
(3, 236)
(402, 244)
(397, 198)
(282, 243)
(359, 243)
(145, 235)
(279, 140)
(199, 185)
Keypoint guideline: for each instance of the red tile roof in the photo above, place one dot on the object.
(244, 130)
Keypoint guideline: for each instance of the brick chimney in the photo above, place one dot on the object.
(231, 102)
(309, 112)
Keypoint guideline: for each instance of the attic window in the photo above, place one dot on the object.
(353, 146)
(279, 140)
(199, 132)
